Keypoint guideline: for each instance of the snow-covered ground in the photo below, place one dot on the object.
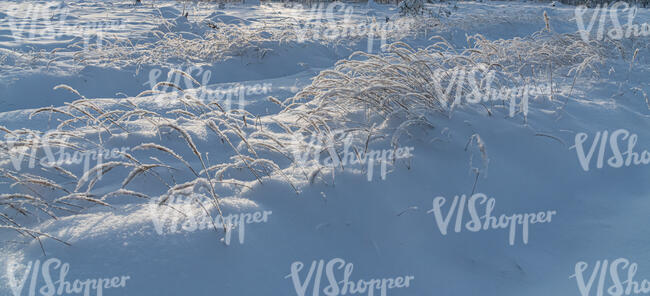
(481, 148)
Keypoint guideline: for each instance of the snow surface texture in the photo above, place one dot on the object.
(276, 149)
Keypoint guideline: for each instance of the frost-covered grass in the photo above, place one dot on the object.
(167, 142)
(418, 82)
(368, 95)
(201, 38)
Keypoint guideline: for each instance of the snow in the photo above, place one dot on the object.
(287, 227)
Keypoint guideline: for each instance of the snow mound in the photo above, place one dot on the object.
(168, 12)
(220, 17)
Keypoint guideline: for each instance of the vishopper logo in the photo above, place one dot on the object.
(307, 151)
(609, 23)
(56, 284)
(487, 221)
(187, 214)
(182, 82)
(474, 85)
(54, 149)
(338, 268)
(620, 271)
(320, 22)
(30, 20)
(618, 158)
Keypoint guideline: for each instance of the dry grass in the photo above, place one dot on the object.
(359, 96)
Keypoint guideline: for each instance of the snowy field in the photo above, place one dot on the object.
(197, 148)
